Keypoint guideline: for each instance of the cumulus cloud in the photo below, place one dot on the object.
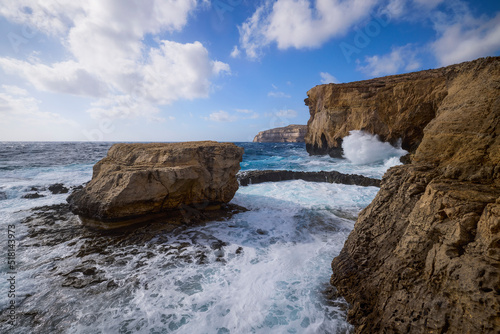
(466, 38)
(327, 78)
(109, 59)
(399, 59)
(300, 23)
(65, 77)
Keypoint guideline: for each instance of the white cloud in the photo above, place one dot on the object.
(286, 113)
(250, 114)
(65, 77)
(466, 38)
(221, 116)
(109, 59)
(235, 53)
(300, 23)
(278, 95)
(395, 8)
(49, 16)
(176, 71)
(327, 78)
(399, 59)
(17, 105)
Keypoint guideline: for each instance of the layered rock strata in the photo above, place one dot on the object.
(142, 182)
(260, 176)
(287, 134)
(424, 256)
(394, 107)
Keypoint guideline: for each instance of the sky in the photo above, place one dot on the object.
(181, 70)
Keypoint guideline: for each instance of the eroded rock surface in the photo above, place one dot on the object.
(287, 134)
(141, 182)
(394, 107)
(424, 256)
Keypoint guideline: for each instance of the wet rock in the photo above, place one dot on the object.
(260, 176)
(58, 188)
(138, 183)
(33, 196)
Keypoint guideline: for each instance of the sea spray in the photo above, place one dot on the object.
(363, 148)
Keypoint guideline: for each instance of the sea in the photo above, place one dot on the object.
(269, 273)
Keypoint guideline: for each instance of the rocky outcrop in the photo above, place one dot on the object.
(143, 182)
(424, 256)
(260, 176)
(394, 107)
(287, 134)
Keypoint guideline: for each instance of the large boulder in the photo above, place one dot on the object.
(140, 182)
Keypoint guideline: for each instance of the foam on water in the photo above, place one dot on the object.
(261, 271)
(362, 148)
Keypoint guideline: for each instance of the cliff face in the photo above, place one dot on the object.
(424, 256)
(288, 134)
(394, 107)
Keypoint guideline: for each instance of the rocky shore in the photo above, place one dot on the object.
(288, 134)
(424, 256)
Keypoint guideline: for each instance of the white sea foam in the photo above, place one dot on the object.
(267, 278)
(287, 241)
(363, 148)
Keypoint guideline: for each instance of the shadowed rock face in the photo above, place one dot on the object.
(288, 134)
(260, 176)
(424, 256)
(140, 182)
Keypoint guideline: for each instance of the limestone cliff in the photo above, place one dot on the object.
(288, 134)
(424, 256)
(394, 107)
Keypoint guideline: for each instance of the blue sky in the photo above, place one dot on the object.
(167, 70)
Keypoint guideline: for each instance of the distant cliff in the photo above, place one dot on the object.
(288, 134)
(424, 256)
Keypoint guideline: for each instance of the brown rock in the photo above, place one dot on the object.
(288, 134)
(394, 107)
(424, 256)
(141, 182)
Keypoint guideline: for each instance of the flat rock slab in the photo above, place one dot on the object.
(137, 183)
(260, 176)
